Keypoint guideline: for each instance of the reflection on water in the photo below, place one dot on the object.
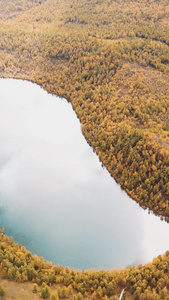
(54, 196)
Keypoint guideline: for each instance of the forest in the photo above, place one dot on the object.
(110, 59)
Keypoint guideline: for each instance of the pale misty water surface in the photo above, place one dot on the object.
(55, 198)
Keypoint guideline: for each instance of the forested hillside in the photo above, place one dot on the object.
(110, 59)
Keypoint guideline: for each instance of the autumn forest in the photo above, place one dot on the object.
(110, 59)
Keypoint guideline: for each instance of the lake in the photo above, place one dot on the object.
(55, 198)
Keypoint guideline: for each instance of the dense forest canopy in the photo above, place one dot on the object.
(110, 59)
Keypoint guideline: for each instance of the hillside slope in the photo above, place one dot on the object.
(111, 60)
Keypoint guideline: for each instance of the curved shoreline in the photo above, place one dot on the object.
(102, 160)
